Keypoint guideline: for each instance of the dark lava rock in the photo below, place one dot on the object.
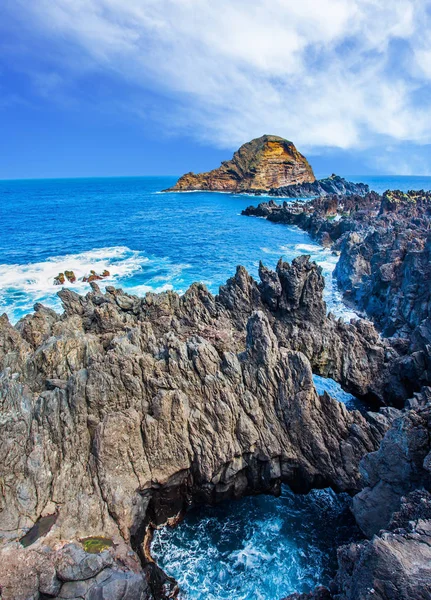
(400, 465)
(394, 565)
(321, 187)
(384, 269)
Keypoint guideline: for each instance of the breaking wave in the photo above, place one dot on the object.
(24, 285)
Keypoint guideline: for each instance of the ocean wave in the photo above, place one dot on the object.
(308, 248)
(23, 285)
(260, 548)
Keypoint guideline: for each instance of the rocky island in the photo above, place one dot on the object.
(267, 165)
(264, 163)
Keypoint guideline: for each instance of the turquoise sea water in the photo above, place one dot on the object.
(258, 548)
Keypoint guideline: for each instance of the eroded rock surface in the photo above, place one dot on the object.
(264, 163)
(394, 511)
(384, 266)
(124, 410)
(321, 187)
(401, 465)
(396, 563)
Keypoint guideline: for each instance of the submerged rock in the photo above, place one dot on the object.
(264, 163)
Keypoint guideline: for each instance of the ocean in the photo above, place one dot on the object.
(258, 548)
(145, 239)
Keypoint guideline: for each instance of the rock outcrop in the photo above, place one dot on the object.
(384, 268)
(384, 246)
(264, 163)
(393, 565)
(394, 511)
(401, 465)
(321, 188)
(124, 410)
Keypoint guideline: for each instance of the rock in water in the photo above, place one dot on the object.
(260, 165)
(321, 188)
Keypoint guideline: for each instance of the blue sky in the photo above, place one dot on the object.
(152, 87)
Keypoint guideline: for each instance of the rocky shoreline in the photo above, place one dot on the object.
(383, 243)
(320, 188)
(122, 412)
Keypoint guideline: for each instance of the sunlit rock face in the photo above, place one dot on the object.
(260, 165)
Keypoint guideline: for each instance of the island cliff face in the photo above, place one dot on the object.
(260, 165)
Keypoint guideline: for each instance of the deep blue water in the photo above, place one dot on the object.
(258, 548)
(146, 240)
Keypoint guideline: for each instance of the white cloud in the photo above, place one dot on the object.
(320, 72)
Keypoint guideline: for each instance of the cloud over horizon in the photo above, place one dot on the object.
(332, 74)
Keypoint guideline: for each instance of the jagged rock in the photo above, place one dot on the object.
(321, 188)
(394, 565)
(264, 163)
(398, 467)
(59, 279)
(95, 276)
(384, 267)
(127, 411)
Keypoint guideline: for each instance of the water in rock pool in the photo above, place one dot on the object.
(256, 548)
(146, 240)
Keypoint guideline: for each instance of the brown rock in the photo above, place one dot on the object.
(130, 408)
(70, 276)
(260, 165)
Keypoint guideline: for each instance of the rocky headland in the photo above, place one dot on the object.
(123, 411)
(264, 163)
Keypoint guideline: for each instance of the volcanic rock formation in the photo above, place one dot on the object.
(394, 510)
(264, 163)
(321, 187)
(384, 269)
(124, 410)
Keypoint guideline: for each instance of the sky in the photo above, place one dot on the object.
(162, 87)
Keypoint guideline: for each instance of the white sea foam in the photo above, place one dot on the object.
(23, 285)
(307, 248)
(258, 548)
(39, 277)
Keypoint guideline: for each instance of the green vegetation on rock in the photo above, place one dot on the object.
(94, 545)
